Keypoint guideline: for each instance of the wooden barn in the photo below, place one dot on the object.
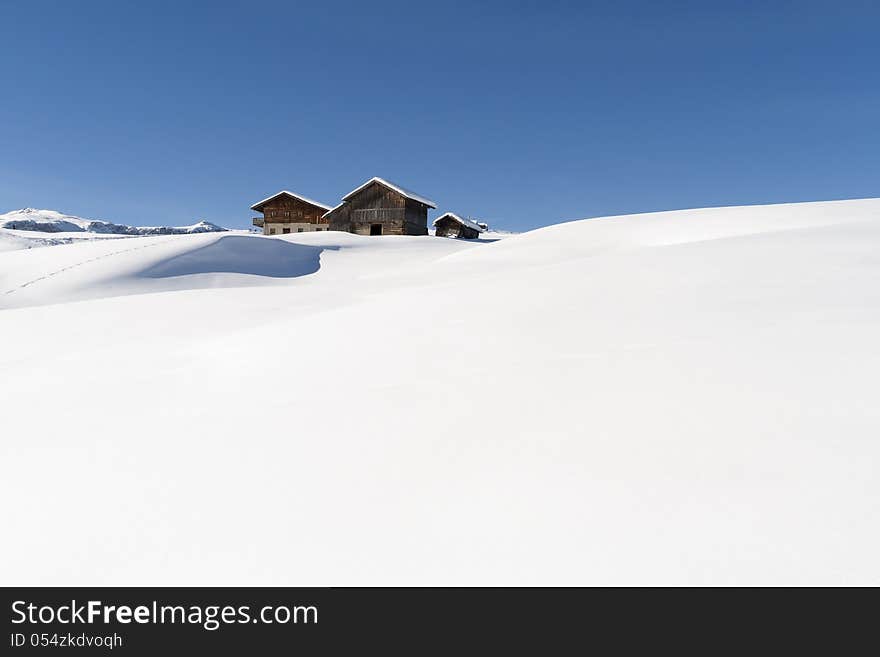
(451, 225)
(286, 212)
(379, 207)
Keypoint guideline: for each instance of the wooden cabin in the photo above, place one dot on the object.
(451, 225)
(286, 212)
(379, 207)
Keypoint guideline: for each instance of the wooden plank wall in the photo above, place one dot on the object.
(287, 209)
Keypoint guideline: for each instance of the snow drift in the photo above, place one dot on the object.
(676, 398)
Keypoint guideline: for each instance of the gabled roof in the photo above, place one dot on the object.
(304, 199)
(464, 222)
(332, 210)
(397, 188)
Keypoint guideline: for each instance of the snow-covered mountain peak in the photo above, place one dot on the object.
(52, 221)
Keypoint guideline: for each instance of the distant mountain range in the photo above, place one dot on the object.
(51, 221)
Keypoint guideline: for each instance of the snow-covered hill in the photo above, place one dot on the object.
(50, 221)
(675, 398)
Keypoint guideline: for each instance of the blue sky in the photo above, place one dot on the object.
(521, 113)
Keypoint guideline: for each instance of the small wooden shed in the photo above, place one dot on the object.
(287, 212)
(380, 207)
(451, 225)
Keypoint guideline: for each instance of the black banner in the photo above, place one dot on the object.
(153, 621)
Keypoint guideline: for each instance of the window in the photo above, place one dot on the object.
(299, 230)
(318, 229)
(285, 230)
(271, 231)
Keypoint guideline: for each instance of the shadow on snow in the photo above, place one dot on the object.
(244, 255)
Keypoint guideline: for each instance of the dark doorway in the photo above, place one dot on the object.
(375, 229)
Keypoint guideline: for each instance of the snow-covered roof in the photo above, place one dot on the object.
(304, 199)
(333, 209)
(397, 188)
(464, 222)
